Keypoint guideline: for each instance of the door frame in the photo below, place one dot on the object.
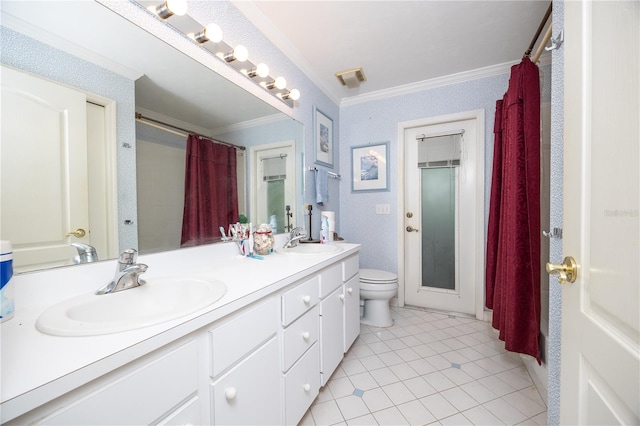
(480, 222)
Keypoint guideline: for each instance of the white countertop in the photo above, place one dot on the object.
(36, 366)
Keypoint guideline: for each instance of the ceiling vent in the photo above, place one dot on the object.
(351, 78)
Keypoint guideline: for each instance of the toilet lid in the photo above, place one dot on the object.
(376, 275)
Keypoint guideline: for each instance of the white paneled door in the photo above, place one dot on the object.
(44, 170)
(600, 382)
(441, 211)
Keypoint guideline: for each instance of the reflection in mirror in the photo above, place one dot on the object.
(129, 71)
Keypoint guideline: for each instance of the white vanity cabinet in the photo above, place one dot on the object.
(245, 367)
(159, 388)
(339, 313)
(261, 362)
(300, 355)
(351, 291)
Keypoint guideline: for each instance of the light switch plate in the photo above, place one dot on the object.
(383, 209)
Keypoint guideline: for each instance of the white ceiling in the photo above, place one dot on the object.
(397, 43)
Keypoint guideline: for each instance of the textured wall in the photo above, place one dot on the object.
(555, 249)
(377, 121)
(24, 53)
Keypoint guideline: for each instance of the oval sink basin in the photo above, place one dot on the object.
(157, 301)
(311, 249)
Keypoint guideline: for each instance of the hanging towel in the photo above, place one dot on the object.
(322, 186)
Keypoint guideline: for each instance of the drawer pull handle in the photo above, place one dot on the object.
(307, 387)
(350, 290)
(341, 296)
(230, 393)
(306, 300)
(306, 335)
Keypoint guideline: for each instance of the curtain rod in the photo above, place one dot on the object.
(438, 134)
(540, 27)
(142, 117)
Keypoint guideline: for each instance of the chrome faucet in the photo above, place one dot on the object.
(86, 253)
(295, 235)
(127, 273)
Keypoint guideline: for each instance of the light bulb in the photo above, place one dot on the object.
(241, 53)
(294, 94)
(261, 70)
(170, 8)
(280, 83)
(213, 32)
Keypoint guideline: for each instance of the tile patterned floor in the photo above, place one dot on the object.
(429, 368)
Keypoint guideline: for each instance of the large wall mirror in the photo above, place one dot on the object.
(131, 171)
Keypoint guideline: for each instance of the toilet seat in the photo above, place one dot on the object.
(378, 286)
(374, 276)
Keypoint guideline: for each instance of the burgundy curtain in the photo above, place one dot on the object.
(210, 191)
(513, 239)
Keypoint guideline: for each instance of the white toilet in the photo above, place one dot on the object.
(376, 289)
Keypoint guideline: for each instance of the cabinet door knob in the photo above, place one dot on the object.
(306, 299)
(306, 335)
(341, 296)
(349, 290)
(307, 387)
(230, 393)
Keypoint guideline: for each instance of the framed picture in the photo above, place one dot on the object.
(323, 138)
(370, 168)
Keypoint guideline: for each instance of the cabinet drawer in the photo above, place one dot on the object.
(141, 396)
(187, 414)
(249, 394)
(301, 386)
(299, 337)
(240, 335)
(350, 267)
(299, 300)
(330, 279)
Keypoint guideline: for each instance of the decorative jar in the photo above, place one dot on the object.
(263, 240)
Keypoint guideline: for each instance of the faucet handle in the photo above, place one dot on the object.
(128, 257)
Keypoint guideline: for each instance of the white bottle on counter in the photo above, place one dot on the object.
(6, 287)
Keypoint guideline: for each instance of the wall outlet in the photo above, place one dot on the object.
(383, 209)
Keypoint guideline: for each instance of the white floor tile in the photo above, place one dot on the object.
(438, 406)
(384, 376)
(372, 362)
(455, 420)
(429, 368)
(340, 387)
(459, 398)
(419, 387)
(403, 371)
(352, 406)
(390, 416)
(376, 400)
(364, 381)
(507, 414)
(481, 416)
(367, 420)
(416, 413)
(352, 366)
(398, 393)
(326, 413)
(439, 381)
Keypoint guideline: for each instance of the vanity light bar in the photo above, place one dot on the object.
(236, 57)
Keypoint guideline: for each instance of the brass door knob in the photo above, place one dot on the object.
(567, 271)
(78, 233)
(411, 229)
